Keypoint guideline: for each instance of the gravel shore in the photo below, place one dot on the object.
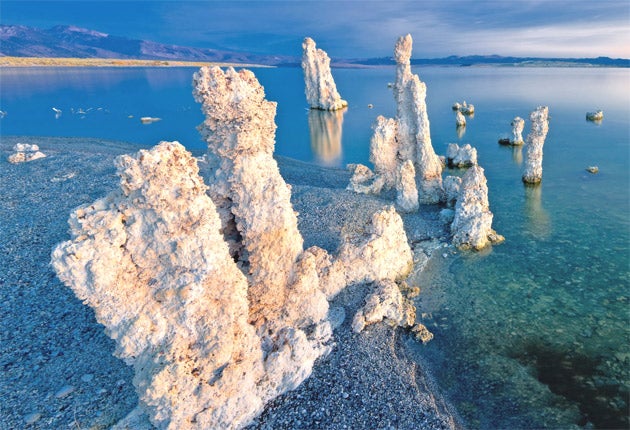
(57, 367)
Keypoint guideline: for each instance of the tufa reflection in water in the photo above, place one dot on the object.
(517, 154)
(539, 222)
(326, 128)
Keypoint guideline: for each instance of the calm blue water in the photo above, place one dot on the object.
(533, 333)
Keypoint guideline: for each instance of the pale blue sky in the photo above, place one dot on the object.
(353, 29)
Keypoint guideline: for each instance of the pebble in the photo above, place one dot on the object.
(88, 377)
(64, 391)
(32, 418)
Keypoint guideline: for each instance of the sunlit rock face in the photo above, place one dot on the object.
(406, 191)
(321, 91)
(472, 225)
(207, 290)
(461, 156)
(414, 137)
(535, 142)
(386, 302)
(460, 120)
(149, 259)
(405, 138)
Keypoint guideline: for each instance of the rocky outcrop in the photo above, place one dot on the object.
(452, 185)
(472, 225)
(464, 108)
(517, 124)
(406, 191)
(321, 91)
(386, 302)
(207, 290)
(405, 138)
(535, 142)
(381, 253)
(25, 152)
(461, 156)
(149, 259)
(414, 137)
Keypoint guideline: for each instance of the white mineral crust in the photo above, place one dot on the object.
(535, 142)
(472, 225)
(219, 311)
(384, 150)
(386, 302)
(452, 184)
(149, 259)
(406, 191)
(321, 91)
(461, 156)
(414, 137)
(517, 131)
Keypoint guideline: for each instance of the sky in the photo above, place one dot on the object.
(352, 28)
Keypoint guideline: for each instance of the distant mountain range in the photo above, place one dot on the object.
(69, 41)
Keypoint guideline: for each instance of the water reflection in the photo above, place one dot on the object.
(461, 130)
(517, 154)
(539, 222)
(325, 129)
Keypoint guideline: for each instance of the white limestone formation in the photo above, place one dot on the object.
(381, 253)
(364, 180)
(25, 152)
(321, 91)
(517, 124)
(452, 185)
(207, 290)
(386, 302)
(460, 119)
(472, 225)
(464, 108)
(406, 191)
(149, 259)
(535, 142)
(384, 150)
(414, 137)
(461, 156)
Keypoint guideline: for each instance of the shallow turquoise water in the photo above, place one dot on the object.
(532, 333)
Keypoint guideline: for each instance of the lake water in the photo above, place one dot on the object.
(529, 334)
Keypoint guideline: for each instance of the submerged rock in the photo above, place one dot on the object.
(321, 91)
(535, 142)
(472, 225)
(461, 156)
(25, 152)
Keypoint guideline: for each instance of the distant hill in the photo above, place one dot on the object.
(75, 42)
(70, 41)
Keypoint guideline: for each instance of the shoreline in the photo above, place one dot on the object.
(8, 62)
(59, 367)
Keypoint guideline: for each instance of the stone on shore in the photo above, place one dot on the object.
(321, 91)
(25, 152)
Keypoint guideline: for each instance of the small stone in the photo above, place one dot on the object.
(64, 391)
(32, 418)
(592, 169)
(345, 395)
(88, 377)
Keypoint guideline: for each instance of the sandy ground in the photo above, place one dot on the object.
(56, 365)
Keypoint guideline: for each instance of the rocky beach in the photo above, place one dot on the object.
(58, 367)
